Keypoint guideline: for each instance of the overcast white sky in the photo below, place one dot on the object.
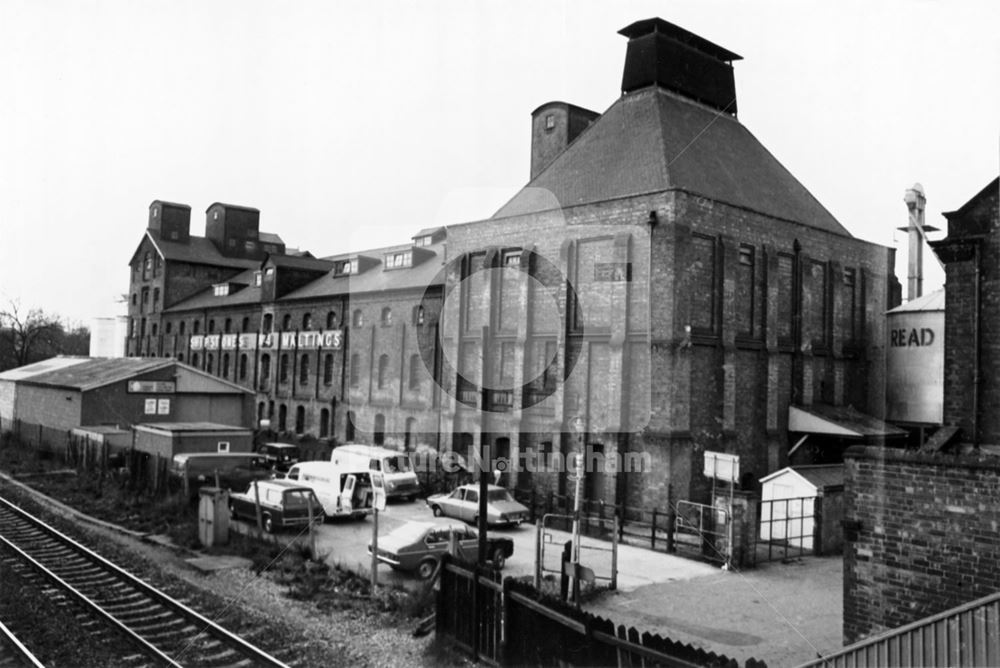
(352, 125)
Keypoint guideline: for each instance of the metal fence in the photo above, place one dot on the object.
(511, 624)
(968, 635)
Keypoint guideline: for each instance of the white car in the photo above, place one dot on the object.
(463, 504)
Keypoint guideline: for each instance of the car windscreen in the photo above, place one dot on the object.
(499, 495)
(397, 464)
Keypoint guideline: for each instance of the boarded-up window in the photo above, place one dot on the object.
(785, 281)
(744, 291)
(702, 284)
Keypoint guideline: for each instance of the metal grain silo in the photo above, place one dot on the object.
(915, 361)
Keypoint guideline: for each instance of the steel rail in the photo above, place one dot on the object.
(259, 656)
(20, 652)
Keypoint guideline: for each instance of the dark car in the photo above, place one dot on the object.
(278, 456)
(282, 504)
(416, 547)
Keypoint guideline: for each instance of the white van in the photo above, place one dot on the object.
(396, 467)
(342, 490)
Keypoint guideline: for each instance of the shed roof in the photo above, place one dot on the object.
(654, 140)
(820, 476)
(180, 427)
(845, 421)
(95, 372)
(36, 368)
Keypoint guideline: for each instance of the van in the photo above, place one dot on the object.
(343, 491)
(395, 467)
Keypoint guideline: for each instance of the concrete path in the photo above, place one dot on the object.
(784, 614)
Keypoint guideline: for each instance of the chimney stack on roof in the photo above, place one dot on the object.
(669, 56)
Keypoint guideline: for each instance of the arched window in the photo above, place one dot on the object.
(147, 265)
(307, 321)
(243, 366)
(282, 417)
(246, 324)
(180, 357)
(331, 319)
(169, 327)
(303, 369)
(328, 369)
(211, 326)
(378, 437)
(286, 322)
(227, 328)
(225, 365)
(260, 412)
(418, 315)
(268, 323)
(156, 298)
(386, 317)
(196, 326)
(355, 370)
(324, 423)
(300, 419)
(194, 359)
(358, 320)
(135, 299)
(210, 362)
(183, 327)
(383, 370)
(414, 371)
(154, 328)
(265, 371)
(283, 368)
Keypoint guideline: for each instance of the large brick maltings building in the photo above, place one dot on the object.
(661, 286)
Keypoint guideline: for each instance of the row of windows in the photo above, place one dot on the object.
(304, 367)
(357, 320)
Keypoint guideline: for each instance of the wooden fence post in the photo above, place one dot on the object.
(652, 536)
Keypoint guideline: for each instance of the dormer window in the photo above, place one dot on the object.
(550, 121)
(423, 241)
(257, 277)
(512, 259)
(345, 267)
(269, 272)
(220, 289)
(399, 260)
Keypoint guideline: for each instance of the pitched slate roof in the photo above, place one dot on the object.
(198, 250)
(376, 279)
(300, 262)
(654, 140)
(208, 299)
(44, 366)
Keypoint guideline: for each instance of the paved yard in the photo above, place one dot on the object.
(783, 614)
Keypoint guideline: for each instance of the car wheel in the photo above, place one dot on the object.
(498, 557)
(426, 568)
(268, 524)
(437, 511)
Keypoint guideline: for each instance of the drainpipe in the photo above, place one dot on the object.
(975, 349)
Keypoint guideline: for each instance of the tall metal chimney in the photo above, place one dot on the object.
(916, 202)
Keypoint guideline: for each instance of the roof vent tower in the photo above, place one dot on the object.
(669, 56)
(916, 202)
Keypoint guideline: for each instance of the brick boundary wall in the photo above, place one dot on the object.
(922, 535)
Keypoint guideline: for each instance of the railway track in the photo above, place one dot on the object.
(159, 630)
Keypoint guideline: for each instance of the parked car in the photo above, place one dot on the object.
(395, 467)
(463, 504)
(282, 504)
(278, 456)
(417, 547)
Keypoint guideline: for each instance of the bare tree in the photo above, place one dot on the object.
(26, 333)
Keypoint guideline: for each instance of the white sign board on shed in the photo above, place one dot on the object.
(722, 466)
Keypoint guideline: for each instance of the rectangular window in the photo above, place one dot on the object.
(257, 278)
(815, 304)
(744, 292)
(785, 280)
(702, 284)
(220, 289)
(223, 446)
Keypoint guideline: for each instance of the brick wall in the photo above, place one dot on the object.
(926, 538)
